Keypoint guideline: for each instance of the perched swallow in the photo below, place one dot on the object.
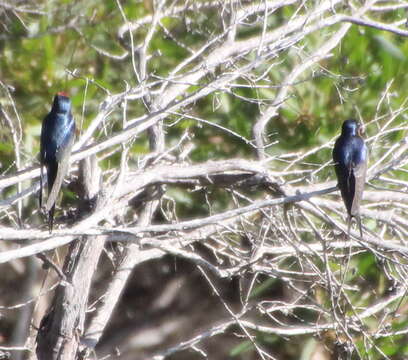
(57, 137)
(350, 157)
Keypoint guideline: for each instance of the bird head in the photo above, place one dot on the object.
(62, 103)
(350, 127)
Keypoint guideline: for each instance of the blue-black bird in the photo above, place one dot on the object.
(57, 137)
(350, 157)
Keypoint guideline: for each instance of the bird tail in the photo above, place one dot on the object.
(51, 218)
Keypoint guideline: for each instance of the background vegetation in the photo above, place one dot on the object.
(189, 110)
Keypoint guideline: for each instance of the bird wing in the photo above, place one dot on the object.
(359, 173)
(345, 182)
(42, 156)
(61, 172)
